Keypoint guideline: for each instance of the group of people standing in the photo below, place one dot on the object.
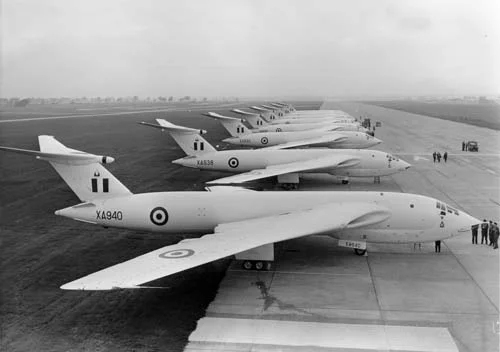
(489, 233)
(437, 156)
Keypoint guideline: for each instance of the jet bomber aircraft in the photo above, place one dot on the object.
(241, 135)
(234, 223)
(280, 113)
(258, 124)
(288, 111)
(287, 165)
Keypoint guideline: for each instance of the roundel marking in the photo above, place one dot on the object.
(233, 162)
(177, 254)
(158, 216)
(264, 140)
(278, 129)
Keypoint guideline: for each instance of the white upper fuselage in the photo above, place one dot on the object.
(273, 118)
(314, 113)
(317, 113)
(324, 126)
(414, 218)
(351, 140)
(371, 162)
(306, 120)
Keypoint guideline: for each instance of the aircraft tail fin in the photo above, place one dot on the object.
(242, 112)
(232, 124)
(253, 119)
(258, 108)
(266, 114)
(256, 121)
(83, 172)
(189, 139)
(269, 107)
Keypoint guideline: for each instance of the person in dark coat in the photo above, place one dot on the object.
(445, 156)
(491, 230)
(463, 146)
(495, 236)
(434, 155)
(437, 246)
(484, 232)
(474, 229)
(439, 157)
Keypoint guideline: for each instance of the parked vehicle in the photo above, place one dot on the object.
(472, 146)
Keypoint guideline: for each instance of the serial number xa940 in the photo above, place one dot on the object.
(109, 215)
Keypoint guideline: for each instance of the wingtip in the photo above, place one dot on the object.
(76, 286)
(71, 287)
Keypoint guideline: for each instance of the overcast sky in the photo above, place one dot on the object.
(249, 47)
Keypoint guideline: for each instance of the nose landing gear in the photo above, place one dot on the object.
(359, 252)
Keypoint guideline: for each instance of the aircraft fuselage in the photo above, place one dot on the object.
(371, 162)
(414, 218)
(350, 140)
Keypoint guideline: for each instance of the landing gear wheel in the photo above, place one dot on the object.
(259, 265)
(359, 251)
(247, 265)
(345, 182)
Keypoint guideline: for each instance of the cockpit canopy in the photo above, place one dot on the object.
(446, 208)
(391, 157)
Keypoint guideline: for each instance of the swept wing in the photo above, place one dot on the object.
(229, 239)
(319, 164)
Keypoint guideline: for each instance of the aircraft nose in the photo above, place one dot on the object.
(405, 165)
(376, 141)
(466, 221)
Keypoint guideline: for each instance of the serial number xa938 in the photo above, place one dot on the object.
(109, 215)
(205, 163)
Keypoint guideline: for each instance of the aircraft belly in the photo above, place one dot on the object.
(391, 235)
(367, 172)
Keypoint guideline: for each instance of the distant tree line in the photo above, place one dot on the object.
(23, 102)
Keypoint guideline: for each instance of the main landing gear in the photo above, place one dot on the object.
(259, 265)
(289, 181)
(258, 259)
(290, 186)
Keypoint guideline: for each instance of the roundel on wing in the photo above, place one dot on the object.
(177, 253)
(233, 162)
(159, 216)
(264, 140)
